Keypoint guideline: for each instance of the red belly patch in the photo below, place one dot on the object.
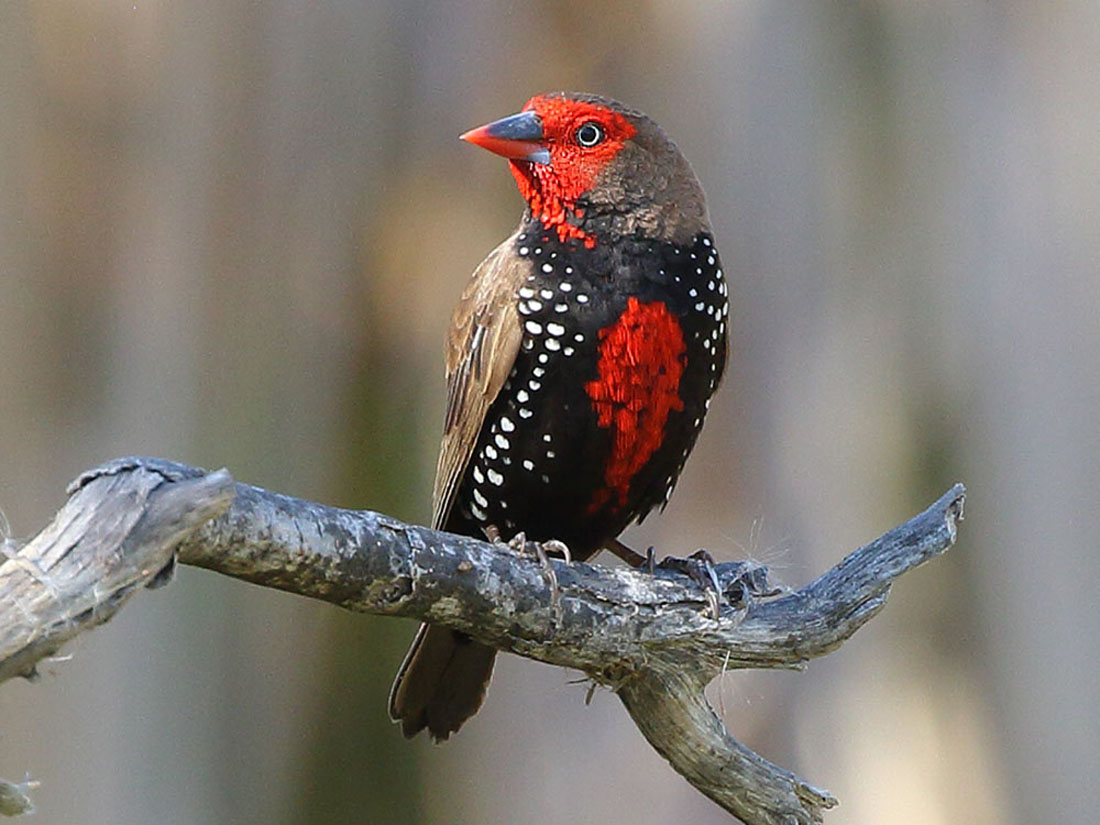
(641, 359)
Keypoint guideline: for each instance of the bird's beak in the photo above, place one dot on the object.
(517, 137)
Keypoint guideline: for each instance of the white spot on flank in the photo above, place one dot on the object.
(546, 294)
(480, 499)
(551, 454)
(506, 424)
(478, 513)
(578, 337)
(522, 396)
(548, 268)
(546, 437)
(478, 477)
(495, 478)
(523, 250)
(568, 271)
(582, 298)
(525, 413)
(568, 351)
(699, 307)
(501, 441)
(560, 307)
(534, 385)
(528, 464)
(535, 328)
(543, 358)
(556, 329)
(533, 305)
(490, 452)
(538, 372)
(565, 286)
(553, 344)
(526, 292)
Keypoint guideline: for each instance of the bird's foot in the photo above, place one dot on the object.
(541, 550)
(699, 567)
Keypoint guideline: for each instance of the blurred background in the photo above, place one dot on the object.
(231, 234)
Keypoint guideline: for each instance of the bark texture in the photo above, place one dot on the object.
(654, 639)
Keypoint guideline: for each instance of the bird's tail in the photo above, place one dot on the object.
(441, 683)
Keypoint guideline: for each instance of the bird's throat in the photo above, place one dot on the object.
(553, 199)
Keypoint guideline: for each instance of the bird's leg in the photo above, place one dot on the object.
(699, 566)
(626, 554)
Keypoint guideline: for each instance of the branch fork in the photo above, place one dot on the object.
(652, 637)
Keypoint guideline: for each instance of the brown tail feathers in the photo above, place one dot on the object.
(441, 683)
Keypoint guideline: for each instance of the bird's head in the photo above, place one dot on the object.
(589, 167)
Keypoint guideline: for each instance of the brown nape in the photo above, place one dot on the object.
(441, 683)
(650, 189)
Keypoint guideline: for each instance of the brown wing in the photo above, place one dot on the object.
(481, 348)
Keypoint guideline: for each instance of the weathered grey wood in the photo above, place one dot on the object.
(651, 638)
(14, 797)
(116, 533)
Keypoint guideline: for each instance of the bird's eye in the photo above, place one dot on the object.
(589, 134)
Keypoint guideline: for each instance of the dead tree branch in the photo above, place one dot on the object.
(652, 639)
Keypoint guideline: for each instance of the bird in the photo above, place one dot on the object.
(580, 361)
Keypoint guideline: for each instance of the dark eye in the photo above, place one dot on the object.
(589, 134)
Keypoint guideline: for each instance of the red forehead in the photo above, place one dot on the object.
(560, 116)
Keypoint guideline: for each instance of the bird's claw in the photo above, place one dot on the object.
(541, 550)
(699, 567)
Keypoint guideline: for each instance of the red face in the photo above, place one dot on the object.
(560, 157)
